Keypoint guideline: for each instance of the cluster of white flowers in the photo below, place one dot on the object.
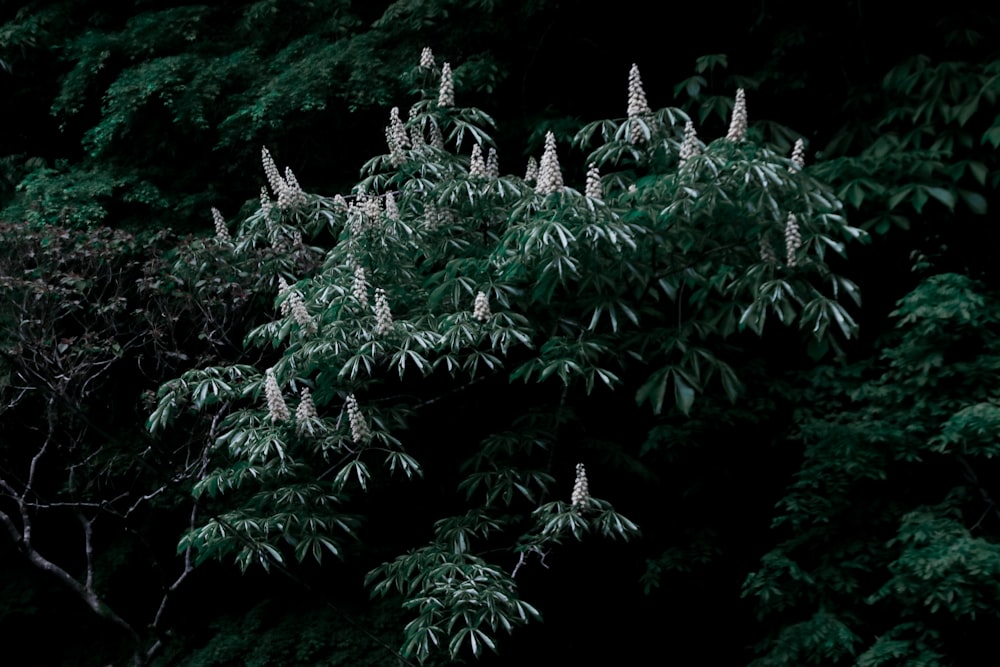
(293, 195)
(492, 164)
(359, 287)
(799, 153)
(437, 140)
(531, 173)
(793, 239)
(391, 209)
(593, 187)
(363, 214)
(689, 146)
(446, 93)
(738, 124)
(285, 306)
(477, 167)
(299, 312)
(305, 411)
(265, 200)
(427, 58)
(287, 189)
(339, 203)
(275, 402)
(581, 491)
(396, 138)
(549, 175)
(481, 307)
(221, 230)
(383, 316)
(360, 432)
(637, 105)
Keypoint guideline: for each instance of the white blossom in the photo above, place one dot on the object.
(285, 306)
(299, 312)
(799, 153)
(593, 188)
(360, 432)
(549, 175)
(738, 124)
(689, 146)
(427, 58)
(305, 411)
(793, 240)
(391, 209)
(581, 492)
(359, 287)
(492, 164)
(221, 230)
(637, 105)
(396, 138)
(531, 173)
(481, 307)
(477, 167)
(383, 316)
(275, 402)
(446, 93)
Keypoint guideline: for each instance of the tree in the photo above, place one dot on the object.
(445, 282)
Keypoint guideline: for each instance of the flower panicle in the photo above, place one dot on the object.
(426, 58)
(549, 174)
(580, 497)
(221, 230)
(593, 187)
(738, 124)
(446, 93)
(383, 316)
(276, 407)
(799, 154)
(360, 432)
(793, 240)
(689, 146)
(481, 307)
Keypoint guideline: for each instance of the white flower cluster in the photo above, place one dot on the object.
(477, 166)
(581, 491)
(593, 188)
(275, 402)
(359, 287)
(481, 307)
(391, 209)
(383, 316)
(793, 239)
(689, 146)
(305, 411)
(492, 164)
(289, 193)
(437, 141)
(221, 230)
(265, 200)
(531, 173)
(549, 175)
(299, 312)
(637, 105)
(446, 93)
(799, 153)
(360, 432)
(427, 58)
(396, 138)
(286, 305)
(738, 124)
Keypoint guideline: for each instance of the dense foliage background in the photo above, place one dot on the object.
(796, 438)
